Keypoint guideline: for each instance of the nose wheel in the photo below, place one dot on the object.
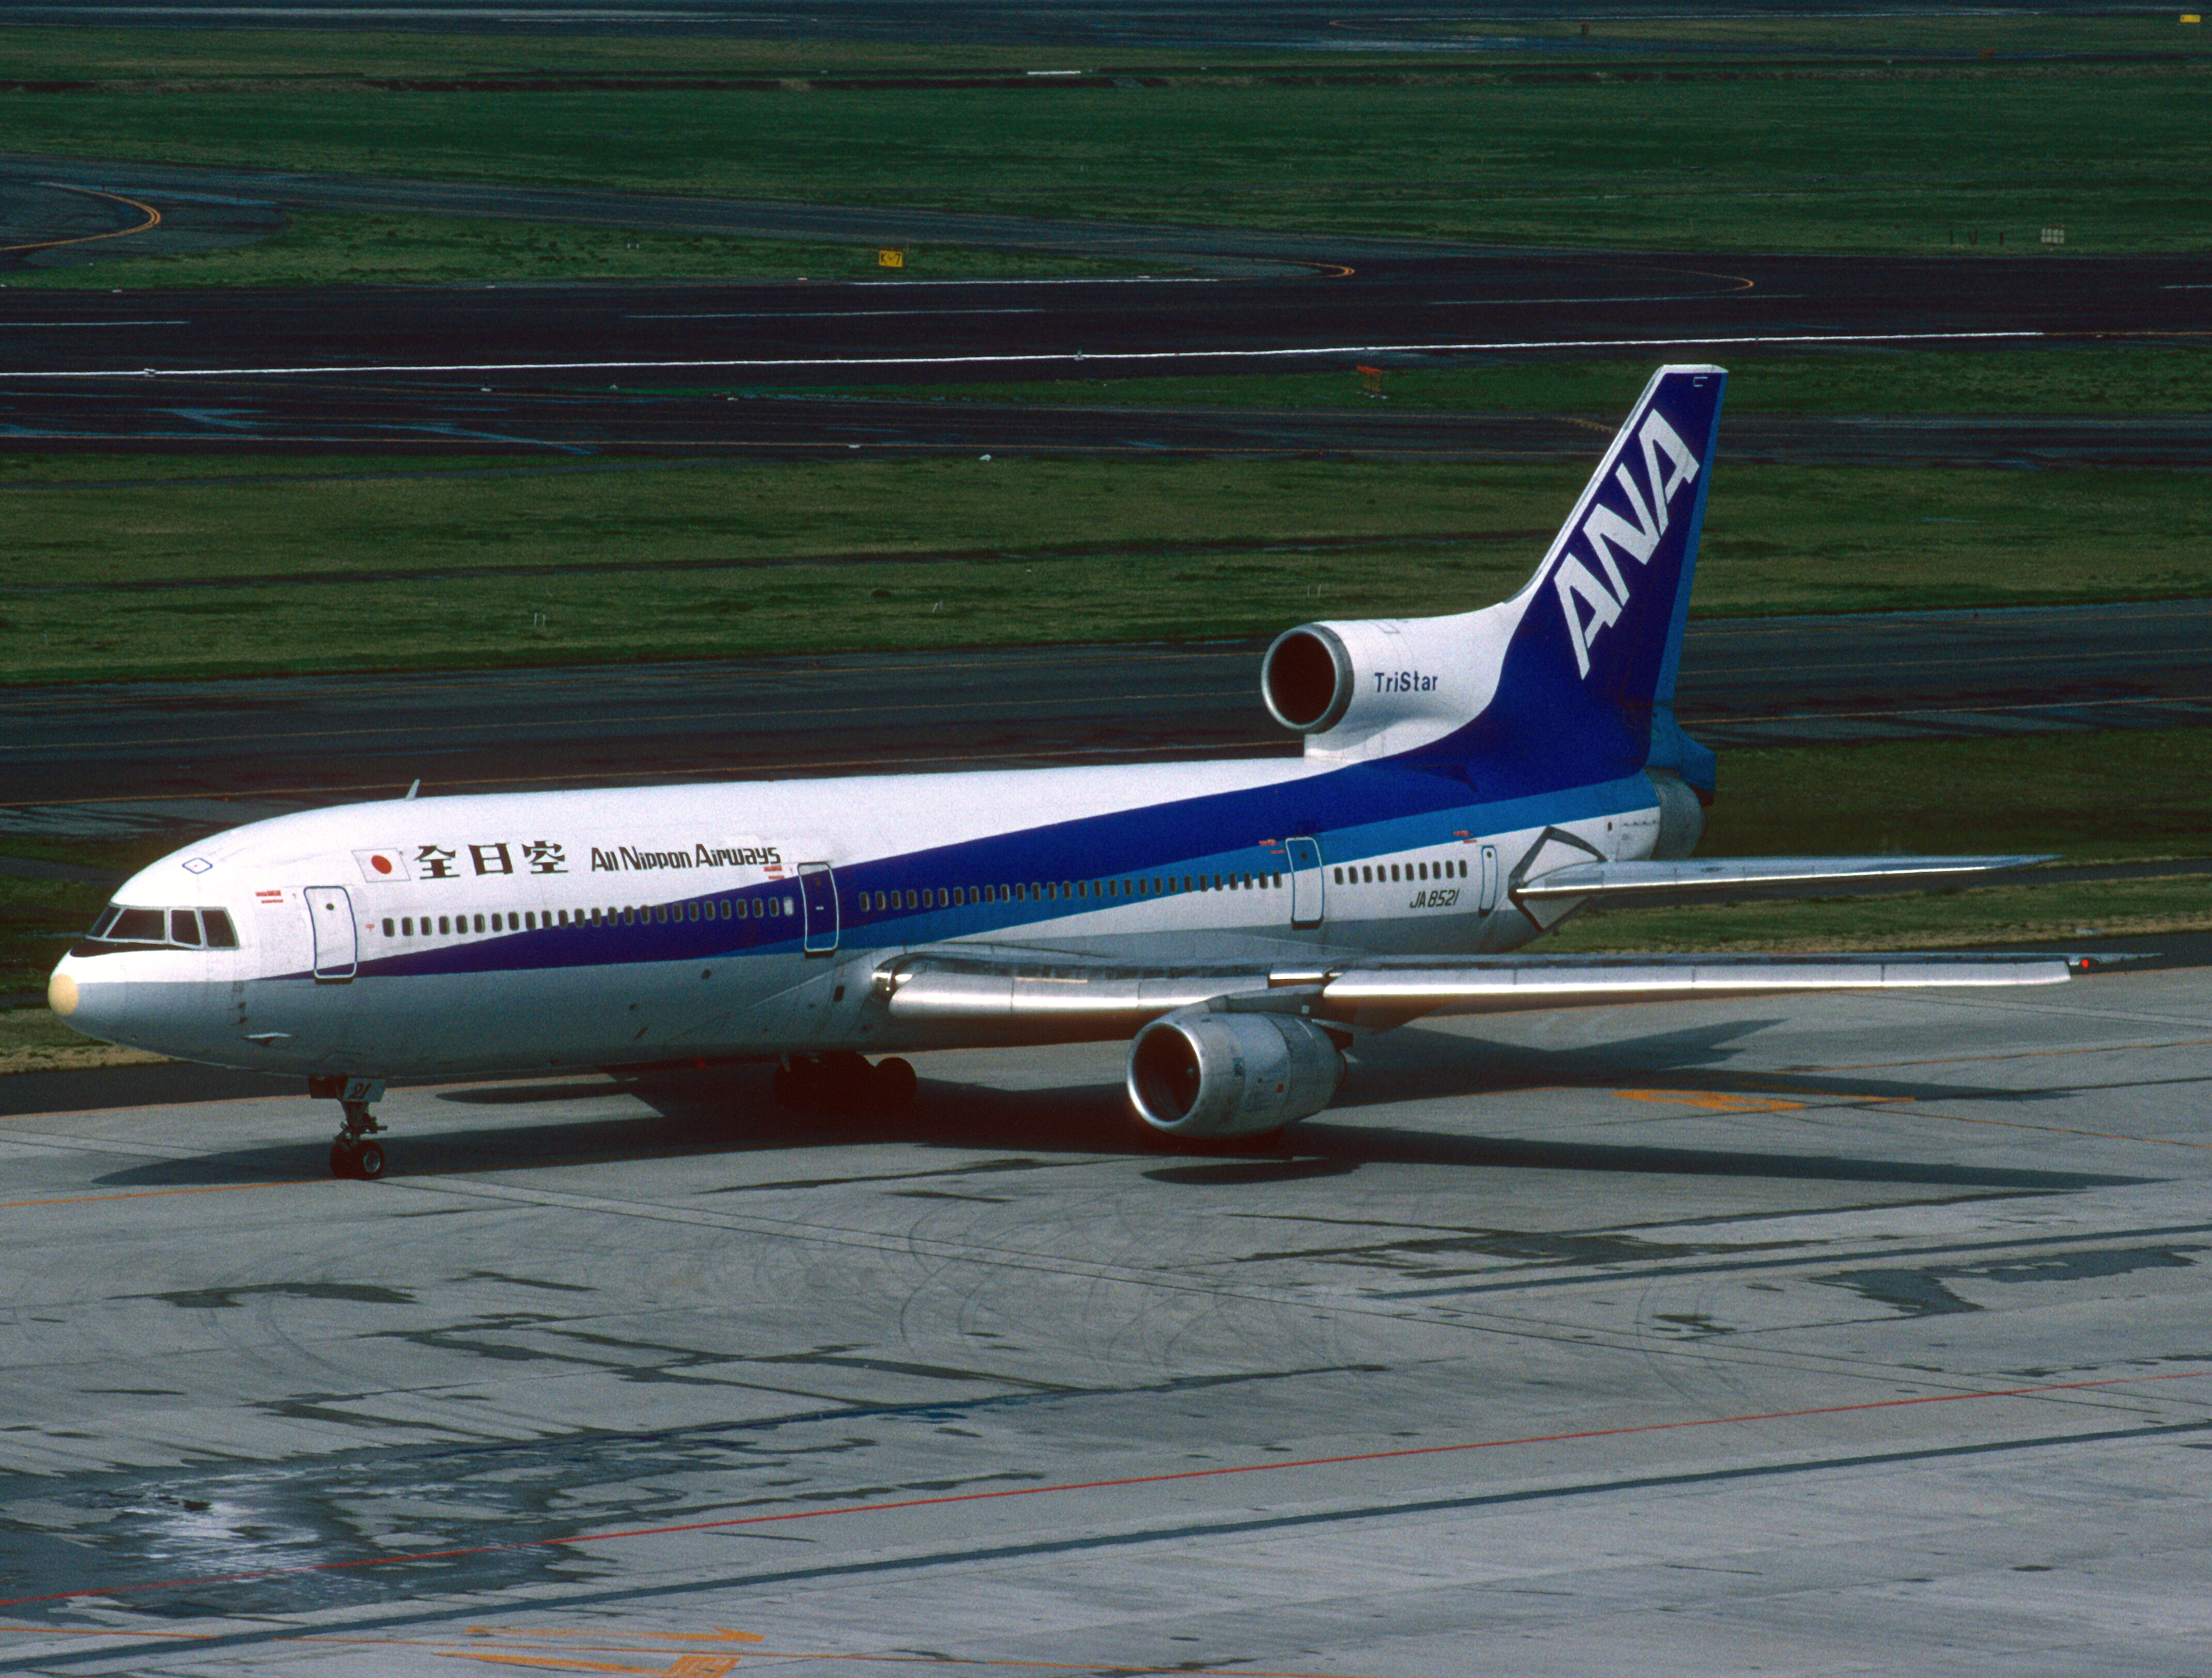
(360, 1157)
(354, 1153)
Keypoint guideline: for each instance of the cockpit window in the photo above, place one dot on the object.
(119, 928)
(138, 926)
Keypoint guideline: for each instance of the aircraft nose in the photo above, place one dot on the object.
(99, 1006)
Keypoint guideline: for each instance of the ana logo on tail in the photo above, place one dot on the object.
(1607, 529)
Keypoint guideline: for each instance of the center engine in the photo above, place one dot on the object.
(1224, 1075)
(1360, 687)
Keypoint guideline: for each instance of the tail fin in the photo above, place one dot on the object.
(1587, 675)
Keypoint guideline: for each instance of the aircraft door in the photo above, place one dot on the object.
(1307, 897)
(1488, 899)
(817, 899)
(330, 911)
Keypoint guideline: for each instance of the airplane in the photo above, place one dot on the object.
(1467, 783)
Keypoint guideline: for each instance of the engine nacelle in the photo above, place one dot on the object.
(1347, 682)
(1681, 818)
(1208, 1074)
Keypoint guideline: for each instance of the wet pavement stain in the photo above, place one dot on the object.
(1693, 1322)
(229, 1298)
(525, 1282)
(946, 1194)
(1921, 1293)
(972, 1169)
(1415, 1257)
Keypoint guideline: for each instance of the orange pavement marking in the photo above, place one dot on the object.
(149, 1193)
(153, 220)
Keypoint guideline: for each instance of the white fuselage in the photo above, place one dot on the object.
(525, 932)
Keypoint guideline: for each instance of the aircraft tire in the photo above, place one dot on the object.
(891, 1085)
(368, 1161)
(848, 1083)
(798, 1085)
(341, 1160)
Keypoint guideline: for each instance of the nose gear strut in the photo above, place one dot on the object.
(353, 1154)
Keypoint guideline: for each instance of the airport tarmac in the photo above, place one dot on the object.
(1819, 1335)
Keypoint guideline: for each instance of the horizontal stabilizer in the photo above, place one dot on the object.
(1799, 876)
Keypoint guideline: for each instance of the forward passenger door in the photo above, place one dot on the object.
(329, 912)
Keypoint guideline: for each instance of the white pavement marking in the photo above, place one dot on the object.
(1064, 355)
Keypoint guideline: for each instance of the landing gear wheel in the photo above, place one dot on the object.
(352, 1153)
(848, 1083)
(799, 1084)
(892, 1085)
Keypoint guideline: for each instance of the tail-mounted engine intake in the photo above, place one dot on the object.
(1345, 684)
(1243, 1075)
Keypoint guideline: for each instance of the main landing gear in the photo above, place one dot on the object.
(353, 1153)
(843, 1082)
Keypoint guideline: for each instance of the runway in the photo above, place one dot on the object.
(111, 759)
(1803, 1334)
(245, 416)
(654, 366)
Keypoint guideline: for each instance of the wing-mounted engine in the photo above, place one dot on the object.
(1196, 1073)
(1367, 687)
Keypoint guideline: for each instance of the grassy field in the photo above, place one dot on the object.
(325, 248)
(2053, 915)
(447, 568)
(2062, 379)
(1702, 152)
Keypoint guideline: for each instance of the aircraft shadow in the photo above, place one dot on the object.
(729, 1111)
(1414, 1064)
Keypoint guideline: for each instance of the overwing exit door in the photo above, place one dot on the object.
(817, 899)
(1308, 897)
(336, 943)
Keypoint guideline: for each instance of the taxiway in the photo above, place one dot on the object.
(1688, 1339)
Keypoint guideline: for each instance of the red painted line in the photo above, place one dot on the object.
(1179, 1475)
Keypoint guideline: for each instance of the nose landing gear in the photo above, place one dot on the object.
(353, 1154)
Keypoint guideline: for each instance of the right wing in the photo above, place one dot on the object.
(1016, 994)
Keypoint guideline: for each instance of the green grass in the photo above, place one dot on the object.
(2065, 378)
(2107, 797)
(2056, 915)
(2130, 794)
(1710, 154)
(918, 554)
(324, 248)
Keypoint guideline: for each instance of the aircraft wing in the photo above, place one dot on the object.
(1015, 992)
(1627, 882)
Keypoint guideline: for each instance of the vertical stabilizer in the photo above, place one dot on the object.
(1586, 679)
